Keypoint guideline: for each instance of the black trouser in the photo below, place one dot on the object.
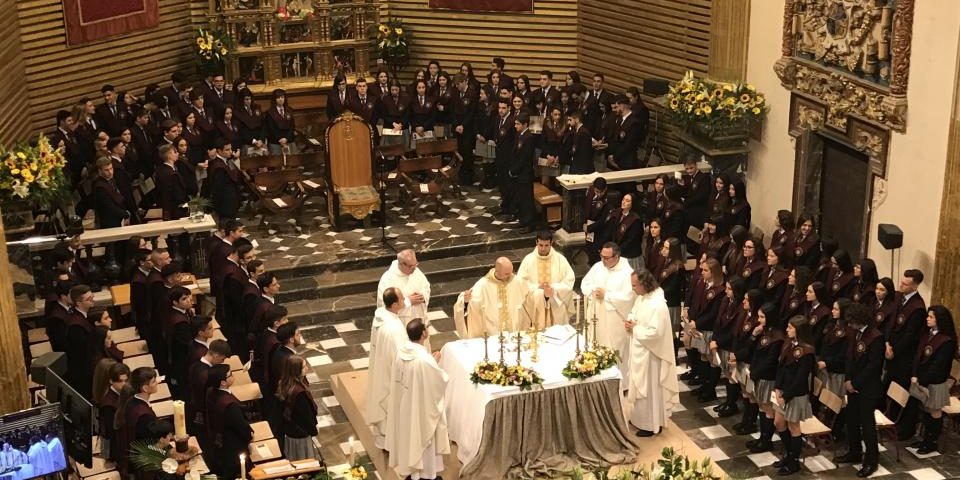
(465, 143)
(861, 425)
(523, 200)
(503, 184)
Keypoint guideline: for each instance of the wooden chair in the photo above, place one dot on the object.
(279, 192)
(447, 149)
(422, 180)
(821, 426)
(350, 181)
(439, 147)
(886, 424)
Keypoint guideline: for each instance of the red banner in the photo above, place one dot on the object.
(484, 5)
(90, 20)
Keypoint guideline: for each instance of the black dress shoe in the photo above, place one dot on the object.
(688, 375)
(916, 444)
(707, 396)
(644, 433)
(752, 443)
(925, 449)
(849, 457)
(761, 446)
(730, 411)
(741, 429)
(866, 471)
(695, 381)
(720, 407)
(789, 467)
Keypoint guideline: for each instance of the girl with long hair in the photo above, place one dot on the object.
(669, 274)
(299, 410)
(763, 372)
(931, 373)
(805, 243)
(842, 282)
(884, 305)
(865, 277)
(793, 388)
(744, 344)
(724, 337)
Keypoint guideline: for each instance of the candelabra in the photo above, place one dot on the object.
(486, 356)
(595, 322)
(502, 346)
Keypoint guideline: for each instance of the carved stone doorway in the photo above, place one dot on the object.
(834, 183)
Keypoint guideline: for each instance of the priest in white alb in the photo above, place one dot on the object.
(417, 428)
(653, 390)
(498, 300)
(550, 278)
(387, 334)
(610, 297)
(404, 273)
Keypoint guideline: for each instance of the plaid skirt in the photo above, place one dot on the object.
(938, 397)
(743, 377)
(833, 382)
(725, 367)
(796, 410)
(762, 390)
(704, 347)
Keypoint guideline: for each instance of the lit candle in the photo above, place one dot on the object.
(243, 467)
(179, 420)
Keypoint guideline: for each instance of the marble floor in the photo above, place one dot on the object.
(311, 240)
(344, 347)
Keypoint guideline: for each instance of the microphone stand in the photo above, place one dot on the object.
(384, 239)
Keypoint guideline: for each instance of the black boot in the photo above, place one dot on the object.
(693, 361)
(748, 423)
(785, 443)
(729, 408)
(793, 459)
(764, 443)
(711, 376)
(930, 436)
(922, 441)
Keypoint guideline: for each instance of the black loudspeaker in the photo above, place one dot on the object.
(890, 236)
(56, 361)
(656, 87)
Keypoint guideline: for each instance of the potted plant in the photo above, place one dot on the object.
(197, 206)
(718, 112)
(392, 45)
(212, 50)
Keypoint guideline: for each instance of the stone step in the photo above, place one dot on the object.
(336, 284)
(362, 259)
(359, 307)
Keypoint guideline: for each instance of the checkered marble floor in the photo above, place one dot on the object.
(344, 347)
(310, 239)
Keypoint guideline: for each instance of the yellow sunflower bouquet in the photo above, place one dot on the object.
(392, 43)
(213, 47)
(32, 173)
(715, 106)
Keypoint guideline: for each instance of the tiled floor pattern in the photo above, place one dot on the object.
(344, 347)
(314, 241)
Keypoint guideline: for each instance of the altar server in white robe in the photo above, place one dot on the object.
(499, 297)
(610, 297)
(405, 275)
(387, 334)
(58, 460)
(417, 428)
(550, 278)
(39, 456)
(653, 390)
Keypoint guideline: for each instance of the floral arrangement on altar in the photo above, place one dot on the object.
(671, 466)
(32, 174)
(286, 13)
(715, 105)
(357, 472)
(392, 44)
(591, 362)
(213, 47)
(505, 375)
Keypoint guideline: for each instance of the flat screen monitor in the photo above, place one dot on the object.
(77, 418)
(32, 443)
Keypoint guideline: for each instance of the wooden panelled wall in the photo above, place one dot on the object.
(57, 75)
(529, 43)
(633, 40)
(13, 89)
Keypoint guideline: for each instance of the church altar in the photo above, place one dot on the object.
(550, 428)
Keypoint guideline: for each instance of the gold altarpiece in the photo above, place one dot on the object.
(296, 44)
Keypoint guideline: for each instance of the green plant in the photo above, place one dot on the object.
(198, 204)
(145, 456)
(674, 466)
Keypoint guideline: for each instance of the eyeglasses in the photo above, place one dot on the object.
(608, 258)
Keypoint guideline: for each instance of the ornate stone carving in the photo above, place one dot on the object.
(854, 55)
(809, 118)
(879, 192)
(868, 143)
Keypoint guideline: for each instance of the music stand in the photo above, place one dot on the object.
(656, 87)
(382, 190)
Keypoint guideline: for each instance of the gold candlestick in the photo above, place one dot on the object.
(595, 322)
(534, 345)
(577, 330)
(519, 344)
(502, 340)
(486, 356)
